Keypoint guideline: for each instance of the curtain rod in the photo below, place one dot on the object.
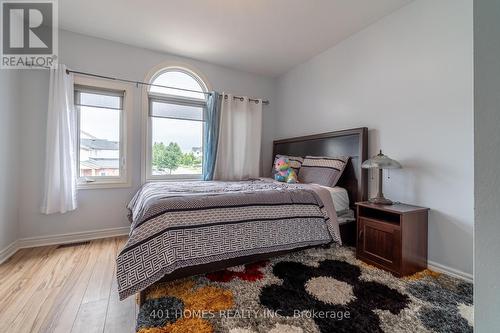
(137, 83)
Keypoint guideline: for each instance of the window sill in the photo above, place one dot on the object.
(102, 185)
(174, 179)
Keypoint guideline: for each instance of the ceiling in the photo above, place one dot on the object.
(266, 37)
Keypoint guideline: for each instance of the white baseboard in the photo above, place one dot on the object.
(8, 251)
(71, 237)
(434, 266)
(75, 237)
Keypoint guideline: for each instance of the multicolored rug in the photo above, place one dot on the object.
(317, 290)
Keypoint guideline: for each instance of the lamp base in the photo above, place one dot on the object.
(380, 201)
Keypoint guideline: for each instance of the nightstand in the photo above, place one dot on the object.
(392, 237)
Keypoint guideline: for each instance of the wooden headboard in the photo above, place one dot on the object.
(350, 142)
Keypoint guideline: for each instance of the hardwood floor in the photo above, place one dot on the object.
(65, 289)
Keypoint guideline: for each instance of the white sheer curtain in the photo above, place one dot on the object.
(238, 151)
(60, 156)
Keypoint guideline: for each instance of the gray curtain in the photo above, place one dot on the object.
(211, 134)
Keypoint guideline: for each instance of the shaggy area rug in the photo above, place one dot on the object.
(317, 290)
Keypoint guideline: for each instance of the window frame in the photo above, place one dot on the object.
(148, 98)
(102, 85)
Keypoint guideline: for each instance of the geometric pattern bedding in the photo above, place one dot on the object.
(181, 224)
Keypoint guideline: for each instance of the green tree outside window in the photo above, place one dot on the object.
(167, 157)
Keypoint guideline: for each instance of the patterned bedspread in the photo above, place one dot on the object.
(183, 224)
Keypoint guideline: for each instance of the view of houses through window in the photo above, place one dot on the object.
(100, 115)
(98, 157)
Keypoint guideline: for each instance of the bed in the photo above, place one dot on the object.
(186, 228)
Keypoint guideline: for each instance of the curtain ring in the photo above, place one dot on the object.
(241, 99)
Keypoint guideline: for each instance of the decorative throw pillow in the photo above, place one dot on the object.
(324, 171)
(295, 162)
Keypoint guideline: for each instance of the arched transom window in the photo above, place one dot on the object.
(175, 125)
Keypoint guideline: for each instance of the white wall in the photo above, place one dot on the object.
(100, 209)
(9, 155)
(487, 161)
(409, 79)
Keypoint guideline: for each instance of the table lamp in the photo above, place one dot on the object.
(380, 162)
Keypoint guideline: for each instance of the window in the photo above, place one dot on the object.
(175, 125)
(102, 148)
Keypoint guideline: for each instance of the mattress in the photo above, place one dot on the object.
(340, 198)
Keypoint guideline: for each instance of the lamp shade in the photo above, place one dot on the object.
(381, 161)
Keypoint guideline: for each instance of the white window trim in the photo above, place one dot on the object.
(146, 174)
(125, 180)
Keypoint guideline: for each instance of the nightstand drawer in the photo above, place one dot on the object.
(380, 242)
